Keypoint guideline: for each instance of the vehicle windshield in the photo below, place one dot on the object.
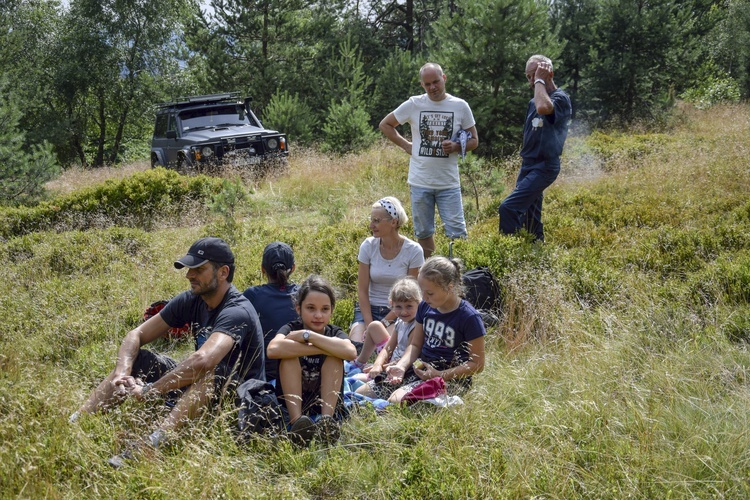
(213, 117)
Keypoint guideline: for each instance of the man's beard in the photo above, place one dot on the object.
(211, 287)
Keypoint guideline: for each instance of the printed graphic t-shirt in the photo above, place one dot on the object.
(431, 123)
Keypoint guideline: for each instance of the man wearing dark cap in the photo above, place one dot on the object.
(274, 300)
(228, 346)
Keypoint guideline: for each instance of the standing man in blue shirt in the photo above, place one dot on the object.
(544, 135)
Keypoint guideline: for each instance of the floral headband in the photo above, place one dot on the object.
(389, 207)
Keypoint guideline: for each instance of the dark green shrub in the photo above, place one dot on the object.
(289, 114)
(502, 254)
(347, 129)
(591, 280)
(140, 200)
(398, 78)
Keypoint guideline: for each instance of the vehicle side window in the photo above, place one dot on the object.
(172, 122)
(160, 130)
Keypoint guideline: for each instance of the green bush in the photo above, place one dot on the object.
(397, 79)
(627, 150)
(737, 328)
(289, 114)
(591, 280)
(347, 129)
(137, 201)
(714, 90)
(725, 281)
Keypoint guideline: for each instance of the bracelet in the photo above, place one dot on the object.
(146, 389)
(539, 80)
(386, 322)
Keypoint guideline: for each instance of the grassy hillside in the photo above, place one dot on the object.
(620, 368)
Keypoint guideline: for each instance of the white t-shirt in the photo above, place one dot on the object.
(383, 272)
(432, 123)
(403, 330)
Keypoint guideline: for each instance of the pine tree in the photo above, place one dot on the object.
(22, 173)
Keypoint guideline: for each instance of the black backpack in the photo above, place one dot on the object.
(483, 292)
(260, 412)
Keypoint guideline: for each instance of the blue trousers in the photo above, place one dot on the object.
(522, 209)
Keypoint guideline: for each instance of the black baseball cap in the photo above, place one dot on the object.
(204, 250)
(276, 255)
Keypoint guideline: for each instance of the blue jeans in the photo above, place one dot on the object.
(449, 205)
(523, 207)
(378, 313)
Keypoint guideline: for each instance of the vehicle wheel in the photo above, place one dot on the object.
(182, 166)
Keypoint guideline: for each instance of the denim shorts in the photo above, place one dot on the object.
(449, 205)
(378, 313)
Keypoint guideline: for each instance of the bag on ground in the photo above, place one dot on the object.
(260, 412)
(483, 292)
(429, 389)
(154, 309)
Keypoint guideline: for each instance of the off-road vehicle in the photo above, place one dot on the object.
(202, 133)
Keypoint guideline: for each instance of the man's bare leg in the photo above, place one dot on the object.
(190, 404)
(100, 398)
(428, 245)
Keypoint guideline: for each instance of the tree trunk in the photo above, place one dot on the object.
(99, 160)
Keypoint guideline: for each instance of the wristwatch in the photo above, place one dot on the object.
(306, 336)
(539, 80)
(386, 322)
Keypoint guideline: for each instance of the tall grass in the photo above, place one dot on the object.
(620, 367)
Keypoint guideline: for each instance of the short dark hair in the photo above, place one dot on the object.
(217, 265)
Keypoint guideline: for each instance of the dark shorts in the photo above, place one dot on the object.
(150, 367)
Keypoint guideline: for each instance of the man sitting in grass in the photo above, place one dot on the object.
(228, 347)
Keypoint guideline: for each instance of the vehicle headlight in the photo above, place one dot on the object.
(207, 151)
(272, 143)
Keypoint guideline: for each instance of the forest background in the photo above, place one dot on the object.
(620, 367)
(81, 79)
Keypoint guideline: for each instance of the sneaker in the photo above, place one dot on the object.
(327, 430)
(131, 452)
(302, 431)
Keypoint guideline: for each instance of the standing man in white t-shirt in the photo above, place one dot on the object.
(436, 118)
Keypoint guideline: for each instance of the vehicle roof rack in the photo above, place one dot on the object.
(201, 99)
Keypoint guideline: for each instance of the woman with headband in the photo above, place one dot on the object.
(384, 257)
